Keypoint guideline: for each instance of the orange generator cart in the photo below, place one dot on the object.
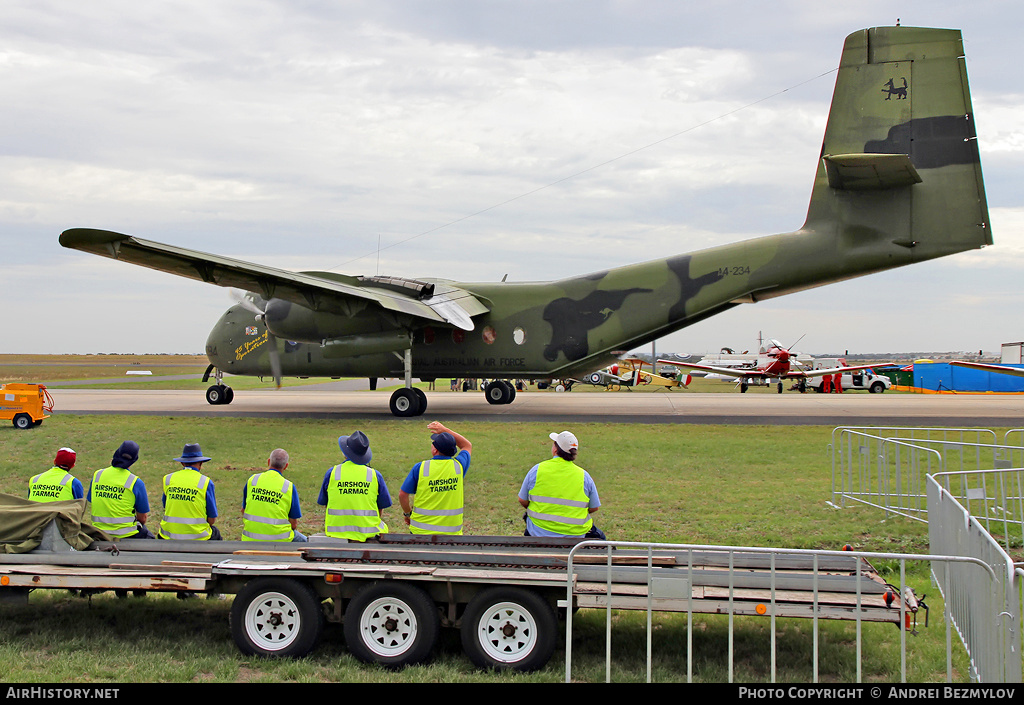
(26, 405)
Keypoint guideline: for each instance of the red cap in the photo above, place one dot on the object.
(65, 458)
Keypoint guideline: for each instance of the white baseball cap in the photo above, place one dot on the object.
(565, 440)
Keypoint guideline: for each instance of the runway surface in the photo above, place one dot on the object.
(851, 408)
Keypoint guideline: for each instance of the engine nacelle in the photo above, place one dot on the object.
(297, 323)
(368, 344)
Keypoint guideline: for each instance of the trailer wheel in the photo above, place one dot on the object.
(22, 421)
(392, 624)
(276, 617)
(509, 628)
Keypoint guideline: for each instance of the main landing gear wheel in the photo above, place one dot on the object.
(276, 617)
(499, 391)
(509, 628)
(406, 403)
(220, 394)
(422, 396)
(392, 624)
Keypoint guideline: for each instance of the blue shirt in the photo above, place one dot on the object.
(211, 498)
(531, 479)
(383, 496)
(293, 512)
(412, 479)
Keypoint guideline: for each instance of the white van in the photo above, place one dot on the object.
(861, 379)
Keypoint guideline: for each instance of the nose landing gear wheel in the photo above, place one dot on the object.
(220, 394)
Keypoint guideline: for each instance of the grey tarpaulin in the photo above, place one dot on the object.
(22, 522)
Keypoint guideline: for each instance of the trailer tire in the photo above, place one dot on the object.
(391, 623)
(276, 617)
(22, 421)
(509, 629)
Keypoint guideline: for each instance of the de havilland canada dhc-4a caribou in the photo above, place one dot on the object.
(899, 181)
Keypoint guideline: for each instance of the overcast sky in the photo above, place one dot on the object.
(302, 134)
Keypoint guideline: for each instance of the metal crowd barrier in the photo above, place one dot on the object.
(983, 575)
(986, 614)
(885, 468)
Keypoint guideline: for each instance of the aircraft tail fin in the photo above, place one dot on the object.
(899, 163)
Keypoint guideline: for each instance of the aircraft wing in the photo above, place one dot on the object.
(1017, 371)
(796, 374)
(440, 302)
(747, 373)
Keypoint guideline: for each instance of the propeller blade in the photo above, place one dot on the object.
(245, 302)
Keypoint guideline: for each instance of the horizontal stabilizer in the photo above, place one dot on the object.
(870, 172)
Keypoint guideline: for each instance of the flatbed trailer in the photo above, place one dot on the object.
(392, 596)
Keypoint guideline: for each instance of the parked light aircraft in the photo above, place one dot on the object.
(617, 376)
(898, 182)
(777, 364)
(727, 357)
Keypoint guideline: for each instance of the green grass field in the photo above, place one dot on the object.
(734, 485)
(731, 485)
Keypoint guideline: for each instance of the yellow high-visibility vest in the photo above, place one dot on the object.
(352, 511)
(268, 499)
(558, 502)
(185, 510)
(113, 502)
(439, 498)
(54, 485)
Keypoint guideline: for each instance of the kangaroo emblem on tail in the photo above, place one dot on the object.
(891, 90)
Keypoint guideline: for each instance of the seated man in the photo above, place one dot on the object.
(190, 504)
(120, 506)
(57, 484)
(354, 493)
(270, 504)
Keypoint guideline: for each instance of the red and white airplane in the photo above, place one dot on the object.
(774, 363)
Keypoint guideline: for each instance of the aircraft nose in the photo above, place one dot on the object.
(221, 340)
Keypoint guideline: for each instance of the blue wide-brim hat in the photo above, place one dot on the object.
(192, 453)
(356, 448)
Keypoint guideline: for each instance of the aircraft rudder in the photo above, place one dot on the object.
(899, 161)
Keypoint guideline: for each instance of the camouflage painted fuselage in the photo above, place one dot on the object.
(899, 181)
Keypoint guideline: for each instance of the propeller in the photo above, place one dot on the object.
(261, 314)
